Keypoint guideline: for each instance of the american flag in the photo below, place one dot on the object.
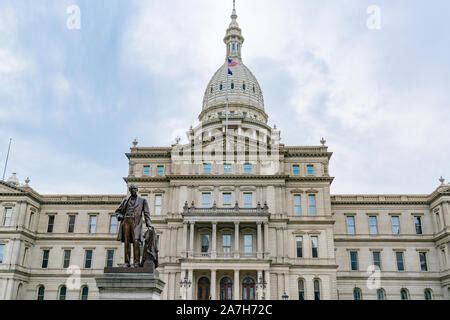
(232, 63)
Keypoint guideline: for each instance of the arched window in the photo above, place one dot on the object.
(244, 87)
(19, 291)
(84, 292)
(428, 294)
(226, 289)
(357, 294)
(62, 293)
(203, 287)
(404, 294)
(248, 289)
(254, 90)
(381, 294)
(212, 89)
(221, 86)
(316, 289)
(301, 289)
(232, 85)
(41, 292)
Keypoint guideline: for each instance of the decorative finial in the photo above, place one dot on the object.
(323, 142)
(275, 127)
(177, 140)
(442, 180)
(234, 4)
(135, 143)
(27, 181)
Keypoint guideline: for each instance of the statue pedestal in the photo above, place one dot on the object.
(130, 284)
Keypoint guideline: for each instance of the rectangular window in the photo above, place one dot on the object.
(92, 224)
(376, 255)
(299, 246)
(7, 218)
(205, 243)
(296, 170)
(315, 247)
(88, 259)
(354, 260)
(51, 222)
(25, 256)
(310, 170)
(2, 252)
(248, 244)
(438, 222)
(146, 171)
(248, 168)
(297, 205)
(373, 225)
(66, 262)
(45, 255)
(227, 168)
(226, 200)
(423, 261)
(395, 225)
(312, 205)
(206, 199)
(71, 228)
(400, 262)
(226, 244)
(418, 224)
(350, 225)
(158, 204)
(160, 171)
(113, 224)
(207, 168)
(248, 200)
(109, 258)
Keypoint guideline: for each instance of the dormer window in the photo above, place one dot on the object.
(232, 85)
(254, 90)
(243, 86)
(212, 89)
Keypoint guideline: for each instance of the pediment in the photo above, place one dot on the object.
(6, 188)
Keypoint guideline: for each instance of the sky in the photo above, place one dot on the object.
(73, 100)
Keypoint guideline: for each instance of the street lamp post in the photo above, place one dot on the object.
(185, 283)
(285, 296)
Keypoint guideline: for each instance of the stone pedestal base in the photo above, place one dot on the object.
(130, 284)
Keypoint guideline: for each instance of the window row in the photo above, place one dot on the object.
(91, 227)
(207, 200)
(233, 86)
(373, 224)
(297, 204)
(88, 258)
(314, 245)
(296, 170)
(62, 292)
(399, 258)
(302, 289)
(147, 170)
(381, 294)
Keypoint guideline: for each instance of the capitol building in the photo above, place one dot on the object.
(238, 215)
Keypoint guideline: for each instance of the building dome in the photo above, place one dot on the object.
(233, 83)
(240, 88)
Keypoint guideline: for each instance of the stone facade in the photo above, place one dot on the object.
(231, 208)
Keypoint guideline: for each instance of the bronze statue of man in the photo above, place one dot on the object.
(130, 214)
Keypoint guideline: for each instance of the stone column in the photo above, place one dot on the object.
(185, 230)
(191, 239)
(266, 240)
(236, 239)
(214, 240)
(260, 287)
(259, 239)
(213, 288)
(236, 285)
(286, 285)
(183, 288)
(267, 294)
(190, 289)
